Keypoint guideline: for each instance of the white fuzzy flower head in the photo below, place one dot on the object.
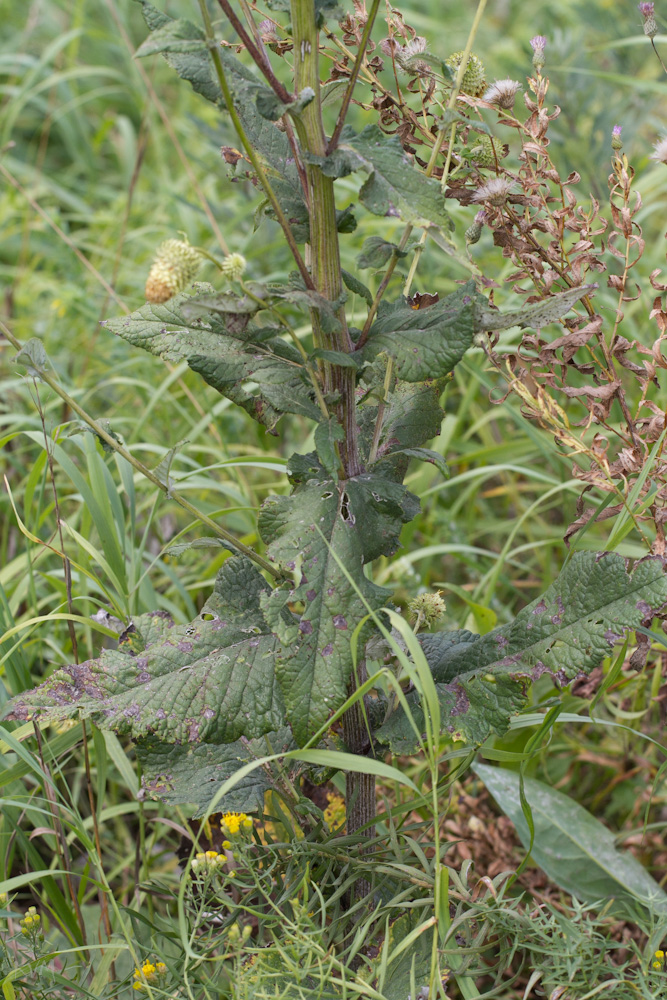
(495, 192)
(503, 93)
(660, 150)
(233, 266)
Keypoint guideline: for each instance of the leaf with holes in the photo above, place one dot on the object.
(210, 681)
(482, 681)
(332, 530)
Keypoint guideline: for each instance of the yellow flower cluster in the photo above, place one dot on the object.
(659, 960)
(232, 823)
(31, 921)
(151, 973)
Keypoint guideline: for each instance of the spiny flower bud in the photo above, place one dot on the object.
(503, 93)
(483, 152)
(175, 265)
(538, 45)
(647, 11)
(474, 78)
(426, 609)
(616, 141)
(474, 230)
(233, 266)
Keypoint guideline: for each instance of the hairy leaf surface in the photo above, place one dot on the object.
(267, 378)
(394, 186)
(482, 681)
(210, 681)
(193, 773)
(426, 343)
(332, 529)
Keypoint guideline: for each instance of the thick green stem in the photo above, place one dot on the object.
(325, 255)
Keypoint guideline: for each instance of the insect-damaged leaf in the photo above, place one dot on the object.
(254, 368)
(426, 343)
(334, 528)
(482, 681)
(193, 773)
(210, 681)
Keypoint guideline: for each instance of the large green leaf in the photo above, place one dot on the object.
(210, 681)
(183, 45)
(482, 681)
(193, 773)
(426, 343)
(571, 846)
(331, 529)
(393, 186)
(254, 368)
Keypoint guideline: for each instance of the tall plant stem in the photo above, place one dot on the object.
(325, 254)
(227, 536)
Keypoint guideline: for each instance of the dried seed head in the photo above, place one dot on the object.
(538, 45)
(474, 78)
(407, 56)
(496, 191)
(233, 266)
(175, 265)
(616, 141)
(660, 150)
(647, 11)
(503, 93)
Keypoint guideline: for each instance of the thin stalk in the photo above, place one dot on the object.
(257, 55)
(352, 82)
(140, 467)
(252, 155)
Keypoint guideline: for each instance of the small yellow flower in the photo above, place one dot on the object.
(334, 814)
(226, 845)
(659, 959)
(150, 972)
(232, 823)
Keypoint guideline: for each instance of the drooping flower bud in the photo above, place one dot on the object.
(474, 230)
(616, 141)
(474, 78)
(647, 11)
(175, 265)
(538, 45)
(233, 266)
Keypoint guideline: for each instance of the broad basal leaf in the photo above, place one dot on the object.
(265, 376)
(210, 681)
(572, 847)
(394, 186)
(482, 681)
(331, 529)
(426, 343)
(193, 773)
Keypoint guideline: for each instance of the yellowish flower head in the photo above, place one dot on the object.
(235, 823)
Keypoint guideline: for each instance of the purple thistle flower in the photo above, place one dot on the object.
(616, 141)
(538, 44)
(647, 11)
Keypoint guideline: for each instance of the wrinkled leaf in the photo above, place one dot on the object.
(535, 314)
(183, 46)
(394, 186)
(193, 773)
(426, 343)
(267, 378)
(33, 356)
(409, 960)
(564, 634)
(210, 681)
(334, 528)
(376, 252)
(412, 416)
(357, 287)
(571, 846)
(327, 435)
